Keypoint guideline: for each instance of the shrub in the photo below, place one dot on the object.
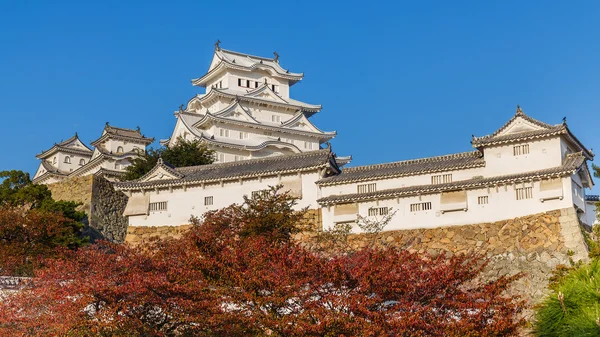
(573, 308)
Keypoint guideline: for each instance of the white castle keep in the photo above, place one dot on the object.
(262, 138)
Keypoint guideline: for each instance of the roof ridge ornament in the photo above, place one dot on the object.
(137, 128)
(564, 120)
(160, 161)
(276, 59)
(181, 108)
(217, 47)
(519, 111)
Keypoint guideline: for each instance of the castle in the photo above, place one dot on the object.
(112, 153)
(262, 138)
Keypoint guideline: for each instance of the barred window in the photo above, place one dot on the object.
(367, 188)
(243, 135)
(520, 149)
(158, 206)
(483, 200)
(421, 206)
(261, 193)
(224, 132)
(208, 201)
(275, 118)
(441, 179)
(524, 193)
(374, 211)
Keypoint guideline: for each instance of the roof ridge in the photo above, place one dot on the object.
(415, 161)
(255, 160)
(247, 55)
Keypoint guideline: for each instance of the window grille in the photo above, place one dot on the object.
(483, 200)
(208, 201)
(224, 132)
(158, 206)
(261, 193)
(378, 211)
(441, 179)
(524, 193)
(367, 188)
(520, 149)
(243, 135)
(421, 206)
(275, 118)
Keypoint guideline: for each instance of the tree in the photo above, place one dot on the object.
(572, 307)
(33, 225)
(238, 272)
(183, 153)
(26, 237)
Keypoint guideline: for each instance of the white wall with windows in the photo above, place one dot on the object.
(435, 210)
(181, 204)
(522, 157)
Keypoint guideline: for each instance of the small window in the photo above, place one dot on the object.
(243, 135)
(441, 179)
(247, 83)
(238, 158)
(483, 200)
(520, 149)
(120, 149)
(256, 84)
(259, 194)
(367, 188)
(421, 206)
(117, 166)
(275, 88)
(81, 162)
(239, 82)
(157, 206)
(308, 145)
(267, 133)
(208, 201)
(224, 132)
(221, 157)
(275, 119)
(378, 211)
(54, 160)
(67, 160)
(524, 193)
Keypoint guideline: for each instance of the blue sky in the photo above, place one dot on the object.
(397, 80)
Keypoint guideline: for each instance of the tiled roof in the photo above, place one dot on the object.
(121, 133)
(491, 139)
(459, 161)
(246, 62)
(243, 169)
(63, 147)
(546, 130)
(592, 198)
(572, 163)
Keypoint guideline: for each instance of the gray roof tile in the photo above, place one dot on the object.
(571, 164)
(242, 169)
(457, 161)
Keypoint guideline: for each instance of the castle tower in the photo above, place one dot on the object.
(246, 111)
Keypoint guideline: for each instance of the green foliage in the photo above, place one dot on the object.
(184, 153)
(573, 309)
(17, 189)
(33, 225)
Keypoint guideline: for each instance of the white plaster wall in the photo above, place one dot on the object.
(591, 215)
(502, 205)
(73, 165)
(182, 204)
(256, 76)
(390, 183)
(500, 160)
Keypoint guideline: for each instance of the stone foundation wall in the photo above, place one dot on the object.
(534, 245)
(102, 204)
(106, 219)
(77, 189)
(138, 234)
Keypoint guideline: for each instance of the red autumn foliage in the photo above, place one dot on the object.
(28, 236)
(229, 277)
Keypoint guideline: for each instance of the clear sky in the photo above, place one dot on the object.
(397, 79)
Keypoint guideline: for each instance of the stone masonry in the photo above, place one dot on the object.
(103, 205)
